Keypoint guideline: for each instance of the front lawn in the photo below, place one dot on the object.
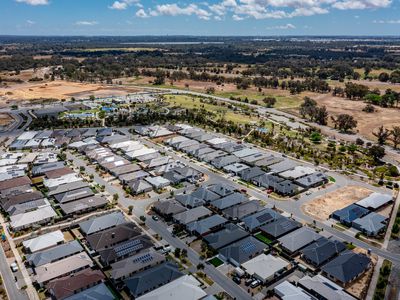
(263, 238)
(216, 262)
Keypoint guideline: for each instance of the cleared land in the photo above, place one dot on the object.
(59, 90)
(5, 119)
(322, 207)
(221, 111)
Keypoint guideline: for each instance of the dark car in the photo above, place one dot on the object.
(236, 279)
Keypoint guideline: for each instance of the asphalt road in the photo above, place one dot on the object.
(226, 283)
(8, 279)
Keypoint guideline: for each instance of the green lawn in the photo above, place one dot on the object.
(216, 262)
(192, 102)
(263, 238)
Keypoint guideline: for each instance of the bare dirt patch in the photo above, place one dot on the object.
(322, 207)
(5, 119)
(59, 90)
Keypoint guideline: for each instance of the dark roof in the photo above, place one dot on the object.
(286, 188)
(267, 180)
(153, 278)
(243, 250)
(174, 177)
(6, 203)
(221, 189)
(347, 266)
(260, 218)
(312, 179)
(223, 161)
(241, 210)
(98, 292)
(207, 194)
(229, 234)
(43, 168)
(350, 213)
(280, 227)
(54, 253)
(204, 226)
(112, 236)
(169, 207)
(229, 200)
(58, 172)
(125, 249)
(322, 250)
(250, 173)
(15, 182)
(64, 287)
(83, 205)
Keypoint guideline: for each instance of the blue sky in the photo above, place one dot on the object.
(189, 17)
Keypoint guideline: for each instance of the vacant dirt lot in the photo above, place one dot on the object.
(5, 119)
(367, 122)
(59, 90)
(321, 208)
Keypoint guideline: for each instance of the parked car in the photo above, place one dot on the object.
(236, 279)
(155, 218)
(255, 283)
(248, 281)
(14, 267)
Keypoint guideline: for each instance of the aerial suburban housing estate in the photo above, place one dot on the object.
(200, 150)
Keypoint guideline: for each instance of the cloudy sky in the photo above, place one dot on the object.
(188, 17)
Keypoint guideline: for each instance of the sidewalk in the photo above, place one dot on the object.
(374, 279)
(30, 290)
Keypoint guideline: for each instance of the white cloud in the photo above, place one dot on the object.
(123, 4)
(282, 27)
(141, 13)
(176, 10)
(30, 22)
(34, 2)
(361, 4)
(86, 23)
(261, 9)
(386, 21)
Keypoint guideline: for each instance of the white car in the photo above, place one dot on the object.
(14, 267)
(308, 193)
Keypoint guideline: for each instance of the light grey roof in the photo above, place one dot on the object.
(270, 160)
(98, 292)
(347, 266)
(54, 253)
(250, 173)
(205, 225)
(286, 291)
(41, 169)
(67, 187)
(135, 263)
(251, 159)
(202, 151)
(312, 179)
(245, 152)
(375, 200)
(192, 215)
(74, 195)
(230, 200)
(235, 168)
(212, 155)
(103, 222)
(371, 224)
(133, 176)
(298, 239)
(324, 287)
(243, 250)
(282, 166)
(228, 235)
(223, 161)
(140, 186)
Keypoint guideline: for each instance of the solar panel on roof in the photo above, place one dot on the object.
(248, 247)
(264, 217)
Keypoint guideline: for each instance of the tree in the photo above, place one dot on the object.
(345, 122)
(384, 77)
(395, 136)
(269, 101)
(369, 108)
(321, 115)
(315, 137)
(130, 209)
(200, 266)
(382, 135)
(177, 252)
(115, 197)
(376, 152)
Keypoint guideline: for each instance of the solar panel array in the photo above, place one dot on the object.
(264, 217)
(248, 247)
(143, 258)
(128, 247)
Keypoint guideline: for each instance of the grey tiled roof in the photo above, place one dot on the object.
(322, 250)
(103, 222)
(243, 250)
